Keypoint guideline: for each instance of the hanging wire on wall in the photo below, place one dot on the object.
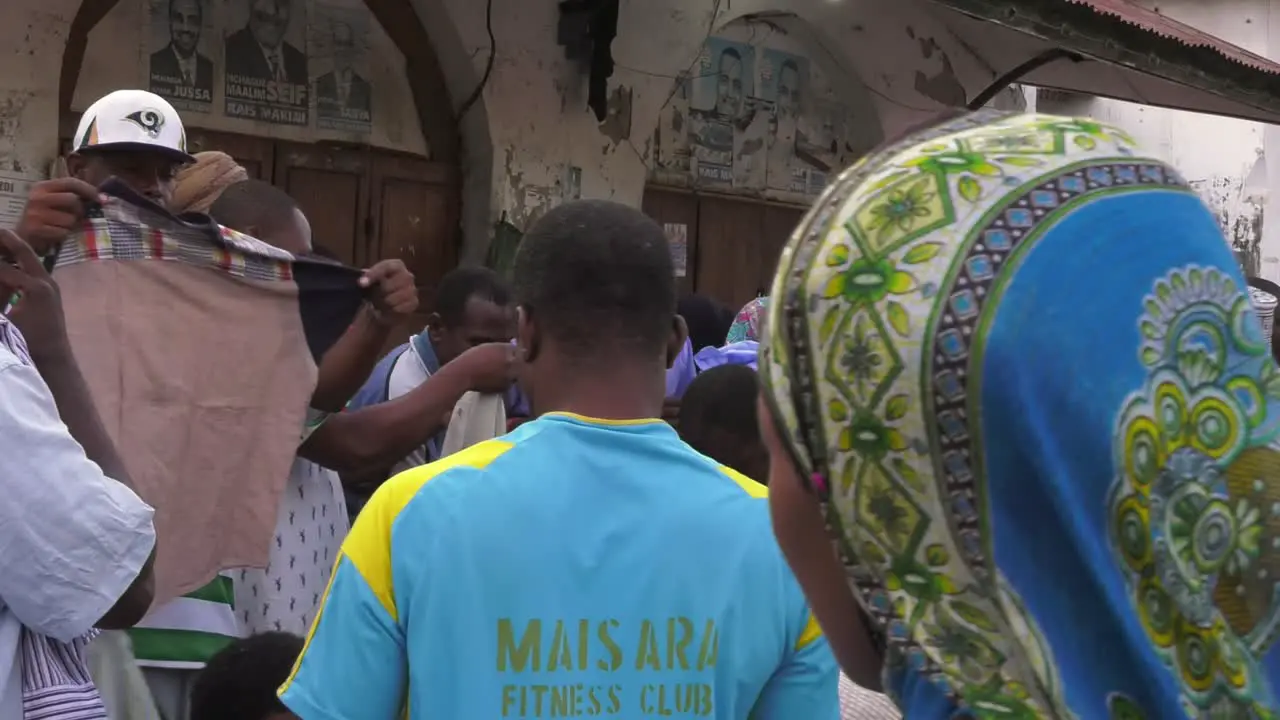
(488, 66)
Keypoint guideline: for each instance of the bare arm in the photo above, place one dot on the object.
(349, 362)
(78, 545)
(76, 409)
(381, 435)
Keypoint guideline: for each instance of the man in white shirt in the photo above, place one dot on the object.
(76, 544)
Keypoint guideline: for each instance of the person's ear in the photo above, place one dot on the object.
(435, 328)
(76, 166)
(528, 337)
(675, 343)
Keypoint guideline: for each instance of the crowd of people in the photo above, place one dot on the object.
(999, 443)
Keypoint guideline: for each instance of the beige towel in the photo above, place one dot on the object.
(475, 418)
(193, 345)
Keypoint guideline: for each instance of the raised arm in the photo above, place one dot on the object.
(381, 435)
(78, 536)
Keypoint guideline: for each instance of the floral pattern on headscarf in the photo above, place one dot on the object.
(746, 325)
(1017, 359)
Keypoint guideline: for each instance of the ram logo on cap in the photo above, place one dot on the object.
(149, 120)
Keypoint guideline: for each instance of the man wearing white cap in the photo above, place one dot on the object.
(137, 137)
(78, 542)
(132, 135)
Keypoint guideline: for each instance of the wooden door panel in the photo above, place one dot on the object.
(331, 187)
(256, 155)
(680, 208)
(779, 222)
(414, 217)
(730, 235)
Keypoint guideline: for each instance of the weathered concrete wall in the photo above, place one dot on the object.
(32, 36)
(530, 142)
(547, 146)
(763, 114)
(1224, 159)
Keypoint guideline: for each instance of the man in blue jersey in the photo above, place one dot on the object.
(589, 563)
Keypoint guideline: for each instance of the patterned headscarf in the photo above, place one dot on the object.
(1017, 364)
(746, 326)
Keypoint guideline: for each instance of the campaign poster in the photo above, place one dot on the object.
(180, 68)
(265, 61)
(339, 36)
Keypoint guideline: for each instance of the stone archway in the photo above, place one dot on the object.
(462, 143)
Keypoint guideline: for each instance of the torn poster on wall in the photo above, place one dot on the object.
(678, 240)
(14, 189)
(339, 52)
(756, 117)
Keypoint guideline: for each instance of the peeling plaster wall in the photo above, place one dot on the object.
(546, 145)
(1223, 158)
(791, 119)
(32, 35)
(530, 141)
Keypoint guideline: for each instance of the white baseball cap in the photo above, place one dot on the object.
(132, 120)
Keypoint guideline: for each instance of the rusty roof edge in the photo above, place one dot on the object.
(1109, 37)
(1140, 17)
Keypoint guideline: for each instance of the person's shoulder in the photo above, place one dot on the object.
(164, 53)
(405, 372)
(750, 488)
(401, 489)
(739, 489)
(8, 361)
(23, 392)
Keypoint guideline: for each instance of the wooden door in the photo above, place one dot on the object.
(414, 207)
(414, 210)
(730, 243)
(677, 208)
(331, 185)
(734, 244)
(256, 155)
(779, 222)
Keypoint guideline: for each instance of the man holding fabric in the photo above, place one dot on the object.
(137, 138)
(78, 542)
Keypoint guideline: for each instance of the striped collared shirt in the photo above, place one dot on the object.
(55, 675)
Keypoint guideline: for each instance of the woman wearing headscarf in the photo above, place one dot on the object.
(199, 184)
(1013, 370)
(746, 324)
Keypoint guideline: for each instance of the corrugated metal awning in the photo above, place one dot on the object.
(1167, 27)
(1122, 51)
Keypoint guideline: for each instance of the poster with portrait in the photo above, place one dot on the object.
(671, 150)
(339, 53)
(721, 108)
(181, 66)
(784, 82)
(678, 242)
(265, 61)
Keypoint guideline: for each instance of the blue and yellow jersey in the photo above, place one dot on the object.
(573, 568)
